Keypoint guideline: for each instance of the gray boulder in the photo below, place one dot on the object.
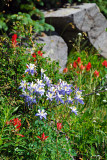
(54, 47)
(86, 18)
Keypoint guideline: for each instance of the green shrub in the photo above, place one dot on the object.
(27, 14)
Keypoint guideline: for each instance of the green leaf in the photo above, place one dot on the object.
(1, 142)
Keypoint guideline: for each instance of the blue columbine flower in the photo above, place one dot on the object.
(74, 110)
(78, 96)
(23, 85)
(47, 80)
(30, 100)
(40, 83)
(59, 98)
(69, 100)
(64, 88)
(32, 87)
(42, 72)
(31, 69)
(50, 96)
(37, 88)
(41, 113)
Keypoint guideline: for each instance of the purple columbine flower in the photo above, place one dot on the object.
(41, 113)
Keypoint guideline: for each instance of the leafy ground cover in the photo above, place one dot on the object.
(45, 114)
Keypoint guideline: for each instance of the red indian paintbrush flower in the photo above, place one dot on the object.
(104, 63)
(59, 126)
(65, 70)
(43, 137)
(40, 53)
(96, 73)
(14, 41)
(79, 60)
(16, 122)
(88, 66)
(74, 64)
(34, 56)
(82, 67)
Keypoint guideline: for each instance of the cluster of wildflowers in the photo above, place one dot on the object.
(31, 90)
(43, 88)
(80, 68)
(39, 53)
(60, 93)
(78, 64)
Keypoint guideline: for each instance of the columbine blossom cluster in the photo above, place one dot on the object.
(59, 93)
(31, 91)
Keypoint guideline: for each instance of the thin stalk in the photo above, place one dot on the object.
(57, 146)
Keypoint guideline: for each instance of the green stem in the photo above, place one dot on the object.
(41, 149)
(57, 146)
(80, 80)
